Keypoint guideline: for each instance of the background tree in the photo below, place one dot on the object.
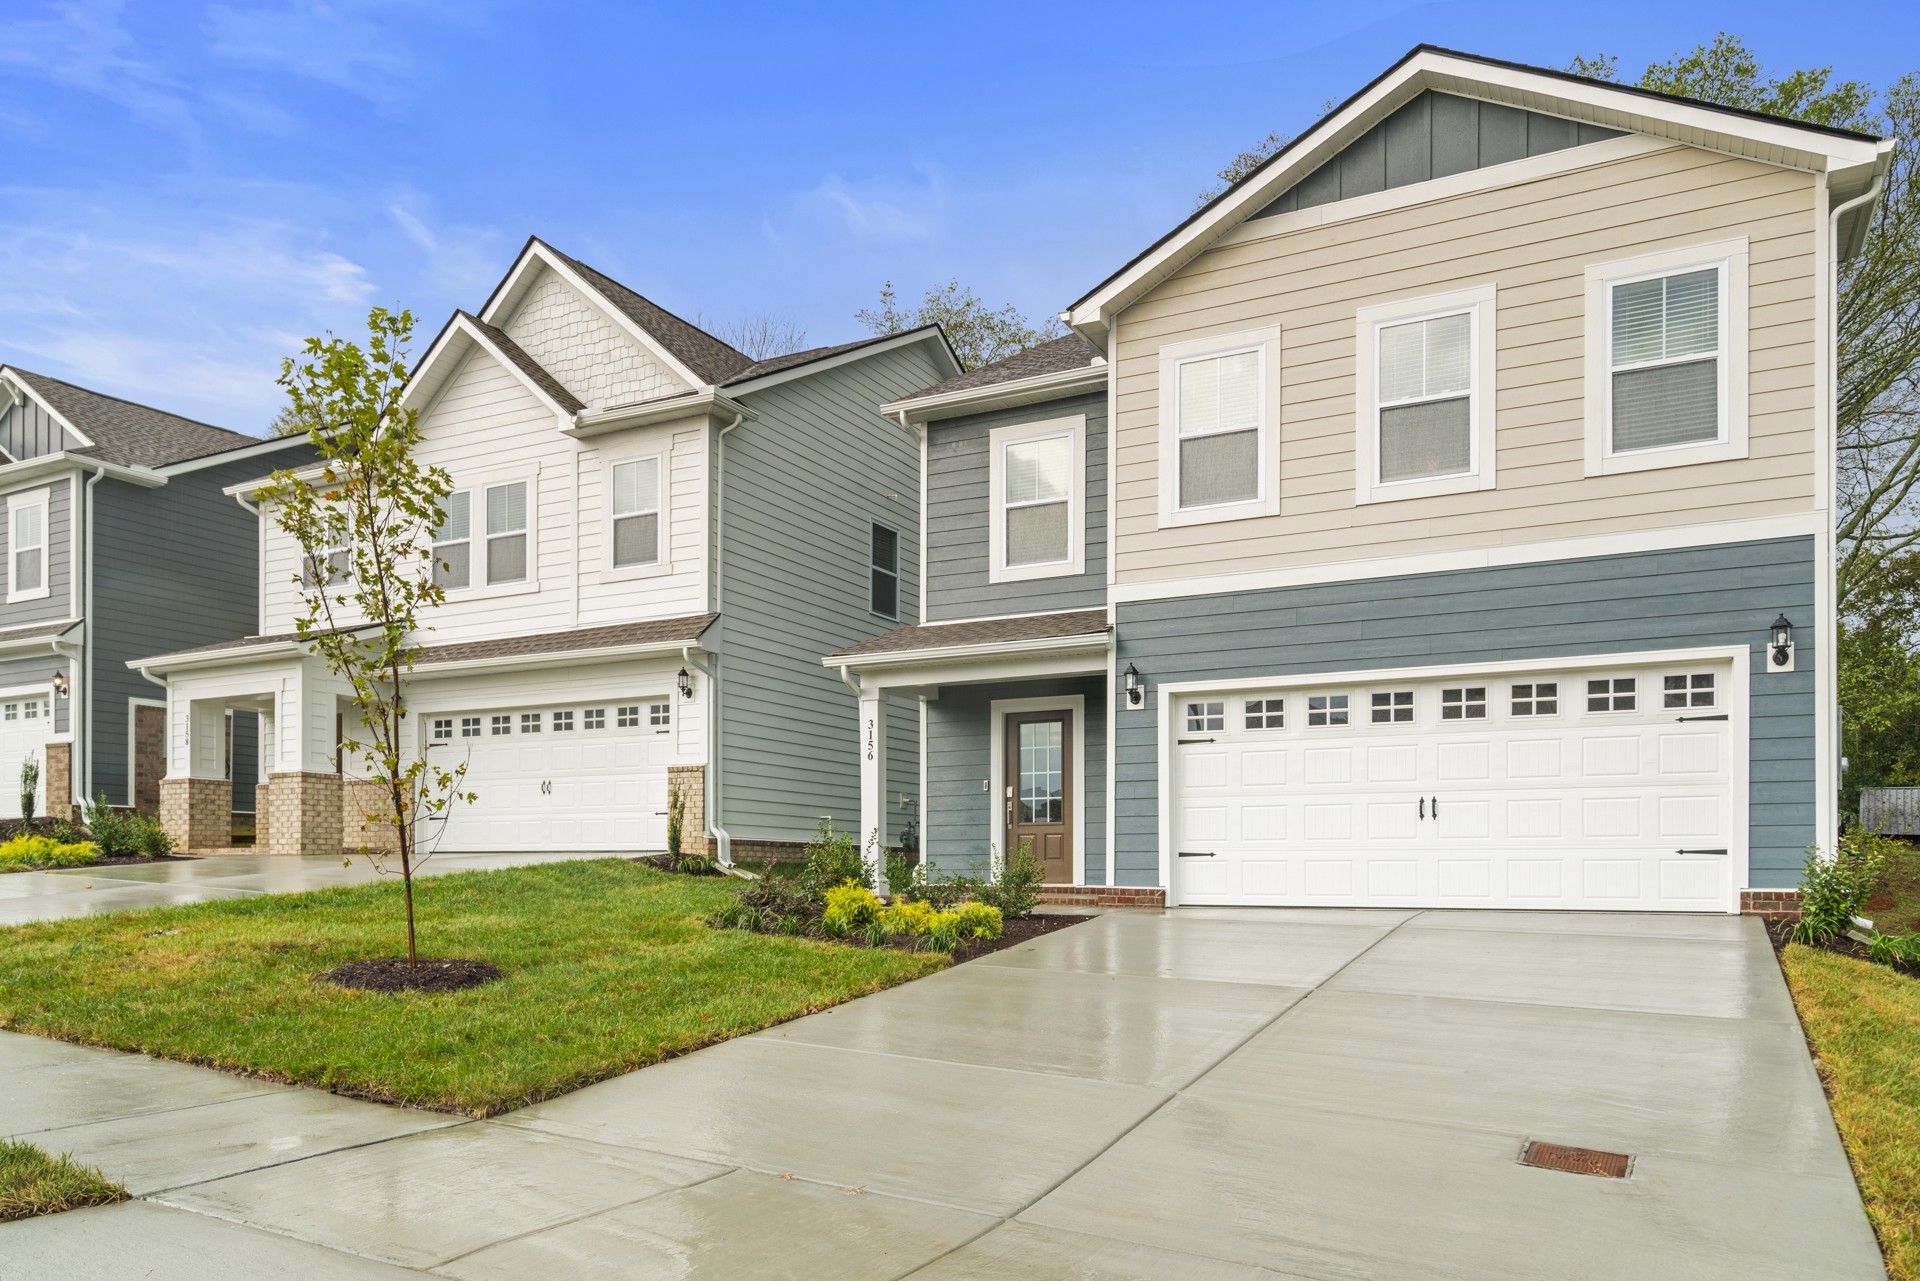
(760, 334)
(1243, 164)
(362, 607)
(980, 335)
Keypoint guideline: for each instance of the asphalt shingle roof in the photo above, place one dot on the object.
(710, 359)
(528, 365)
(131, 434)
(659, 631)
(1055, 357)
(986, 631)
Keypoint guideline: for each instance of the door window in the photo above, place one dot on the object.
(1042, 777)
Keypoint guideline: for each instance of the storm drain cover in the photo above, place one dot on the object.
(1558, 1156)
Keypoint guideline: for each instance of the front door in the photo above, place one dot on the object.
(1039, 795)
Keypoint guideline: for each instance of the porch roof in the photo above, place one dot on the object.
(1029, 632)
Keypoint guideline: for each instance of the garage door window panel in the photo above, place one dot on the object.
(1393, 707)
(1266, 713)
(1205, 717)
(1464, 703)
(1613, 694)
(1537, 698)
(1692, 690)
(1326, 711)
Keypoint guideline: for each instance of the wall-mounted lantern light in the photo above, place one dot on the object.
(1780, 643)
(60, 684)
(1136, 692)
(686, 684)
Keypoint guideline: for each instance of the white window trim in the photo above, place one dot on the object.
(1266, 502)
(434, 544)
(663, 557)
(16, 503)
(997, 711)
(1477, 303)
(999, 440)
(1731, 257)
(531, 583)
(899, 579)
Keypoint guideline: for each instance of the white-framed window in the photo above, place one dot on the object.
(327, 567)
(883, 560)
(31, 709)
(469, 727)
(1324, 710)
(659, 715)
(563, 722)
(633, 513)
(1693, 689)
(1266, 713)
(1037, 476)
(594, 718)
(13, 711)
(628, 717)
(1206, 716)
(453, 542)
(1393, 707)
(1618, 694)
(442, 728)
(27, 546)
(1540, 698)
(1424, 421)
(1467, 703)
(503, 725)
(530, 722)
(1219, 420)
(1666, 359)
(507, 513)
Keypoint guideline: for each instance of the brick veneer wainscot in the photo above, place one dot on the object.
(303, 814)
(1775, 905)
(57, 781)
(197, 813)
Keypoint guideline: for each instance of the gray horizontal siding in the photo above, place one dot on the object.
(960, 511)
(58, 602)
(961, 817)
(36, 673)
(1724, 595)
(802, 482)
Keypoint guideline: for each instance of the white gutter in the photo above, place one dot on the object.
(50, 464)
(594, 422)
(1089, 641)
(974, 400)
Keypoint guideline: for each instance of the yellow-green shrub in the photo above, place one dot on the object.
(977, 921)
(44, 851)
(913, 918)
(849, 906)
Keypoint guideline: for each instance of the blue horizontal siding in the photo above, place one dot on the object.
(1699, 596)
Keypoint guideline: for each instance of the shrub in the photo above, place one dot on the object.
(29, 783)
(43, 851)
(676, 820)
(1889, 949)
(903, 870)
(1017, 891)
(849, 906)
(909, 917)
(833, 859)
(1833, 890)
(978, 920)
(942, 889)
(945, 934)
(123, 835)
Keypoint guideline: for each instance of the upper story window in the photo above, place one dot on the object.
(635, 513)
(453, 542)
(1667, 359)
(1219, 407)
(507, 532)
(327, 567)
(27, 546)
(883, 591)
(1425, 406)
(1037, 473)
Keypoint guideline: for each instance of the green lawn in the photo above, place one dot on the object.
(609, 967)
(31, 1182)
(1864, 1023)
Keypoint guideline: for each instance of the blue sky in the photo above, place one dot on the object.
(189, 189)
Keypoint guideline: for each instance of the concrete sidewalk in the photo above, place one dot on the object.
(1222, 1095)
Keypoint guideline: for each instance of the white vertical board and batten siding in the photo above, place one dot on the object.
(1532, 241)
(803, 479)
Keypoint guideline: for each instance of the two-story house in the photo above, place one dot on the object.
(650, 540)
(1446, 520)
(117, 537)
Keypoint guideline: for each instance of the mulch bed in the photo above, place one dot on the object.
(124, 860)
(393, 974)
(1012, 934)
(1781, 934)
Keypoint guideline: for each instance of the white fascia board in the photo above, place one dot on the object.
(708, 403)
(1007, 395)
(48, 641)
(572, 658)
(13, 379)
(444, 348)
(1086, 642)
(50, 465)
(807, 369)
(239, 453)
(547, 256)
(248, 488)
(217, 657)
(1681, 121)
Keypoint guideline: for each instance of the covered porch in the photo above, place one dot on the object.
(1014, 719)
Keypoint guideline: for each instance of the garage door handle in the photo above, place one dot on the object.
(1722, 853)
(1684, 719)
(1423, 807)
(1192, 854)
(1195, 740)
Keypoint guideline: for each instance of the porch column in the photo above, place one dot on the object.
(196, 797)
(873, 783)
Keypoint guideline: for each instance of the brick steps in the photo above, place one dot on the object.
(1102, 896)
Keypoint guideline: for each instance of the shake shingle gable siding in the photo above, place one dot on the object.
(527, 365)
(130, 434)
(710, 360)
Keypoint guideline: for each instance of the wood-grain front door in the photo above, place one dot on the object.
(1039, 789)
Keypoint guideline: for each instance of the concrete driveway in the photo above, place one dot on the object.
(1212, 1095)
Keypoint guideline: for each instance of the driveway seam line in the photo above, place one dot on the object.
(274, 1165)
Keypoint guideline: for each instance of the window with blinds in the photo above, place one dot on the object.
(453, 542)
(1037, 507)
(1664, 361)
(635, 510)
(507, 532)
(1218, 430)
(1425, 398)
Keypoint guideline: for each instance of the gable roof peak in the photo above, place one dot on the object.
(125, 431)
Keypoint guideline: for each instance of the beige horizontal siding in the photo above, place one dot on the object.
(1534, 242)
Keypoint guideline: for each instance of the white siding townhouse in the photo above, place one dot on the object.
(1442, 516)
(651, 539)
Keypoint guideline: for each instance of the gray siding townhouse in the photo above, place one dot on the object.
(652, 538)
(1442, 516)
(117, 537)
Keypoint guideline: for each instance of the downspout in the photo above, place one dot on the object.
(722, 839)
(82, 711)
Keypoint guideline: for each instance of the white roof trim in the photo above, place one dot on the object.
(239, 453)
(429, 670)
(547, 256)
(1768, 141)
(809, 367)
(1018, 391)
(645, 413)
(13, 379)
(54, 464)
(1099, 641)
(462, 326)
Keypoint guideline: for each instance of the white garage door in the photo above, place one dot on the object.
(586, 776)
(25, 725)
(1580, 789)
